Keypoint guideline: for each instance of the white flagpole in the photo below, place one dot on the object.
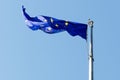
(91, 59)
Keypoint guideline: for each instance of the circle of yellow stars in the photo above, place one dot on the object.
(66, 23)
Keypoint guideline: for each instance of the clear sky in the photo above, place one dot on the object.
(35, 55)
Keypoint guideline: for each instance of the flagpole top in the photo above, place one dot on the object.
(90, 23)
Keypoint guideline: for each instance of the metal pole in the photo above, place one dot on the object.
(91, 59)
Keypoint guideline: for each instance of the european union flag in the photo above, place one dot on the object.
(52, 25)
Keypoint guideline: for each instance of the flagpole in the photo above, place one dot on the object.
(91, 58)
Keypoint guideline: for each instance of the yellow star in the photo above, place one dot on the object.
(45, 20)
(66, 23)
(51, 20)
(57, 25)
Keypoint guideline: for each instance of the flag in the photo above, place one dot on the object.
(52, 25)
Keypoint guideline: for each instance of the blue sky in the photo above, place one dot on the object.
(34, 55)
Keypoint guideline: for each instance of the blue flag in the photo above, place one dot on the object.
(52, 25)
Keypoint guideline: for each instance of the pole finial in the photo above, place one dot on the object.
(90, 23)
